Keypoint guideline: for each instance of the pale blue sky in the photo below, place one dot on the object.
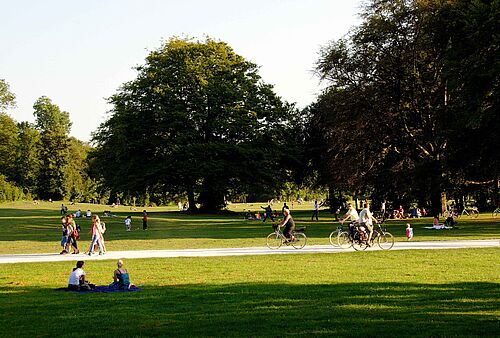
(79, 52)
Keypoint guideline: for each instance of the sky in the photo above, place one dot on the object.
(78, 53)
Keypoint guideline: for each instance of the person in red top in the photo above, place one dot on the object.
(144, 220)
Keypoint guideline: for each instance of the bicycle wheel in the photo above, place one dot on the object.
(474, 213)
(343, 240)
(359, 245)
(274, 241)
(300, 241)
(333, 238)
(385, 241)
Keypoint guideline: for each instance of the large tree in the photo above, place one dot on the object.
(28, 157)
(54, 126)
(395, 101)
(197, 120)
(8, 132)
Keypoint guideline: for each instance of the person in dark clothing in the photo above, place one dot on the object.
(289, 224)
(268, 213)
(315, 211)
(144, 220)
(283, 208)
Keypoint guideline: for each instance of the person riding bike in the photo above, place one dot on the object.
(351, 213)
(289, 225)
(366, 219)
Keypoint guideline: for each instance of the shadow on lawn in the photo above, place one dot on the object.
(42, 225)
(248, 309)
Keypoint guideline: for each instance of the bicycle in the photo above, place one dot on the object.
(471, 212)
(335, 233)
(357, 237)
(495, 212)
(276, 239)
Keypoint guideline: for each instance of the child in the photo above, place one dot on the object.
(409, 232)
(144, 220)
(128, 223)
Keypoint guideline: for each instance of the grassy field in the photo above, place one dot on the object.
(29, 228)
(388, 294)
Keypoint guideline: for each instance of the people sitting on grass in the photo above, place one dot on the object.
(436, 225)
(88, 214)
(77, 279)
(121, 278)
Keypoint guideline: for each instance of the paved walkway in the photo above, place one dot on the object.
(51, 257)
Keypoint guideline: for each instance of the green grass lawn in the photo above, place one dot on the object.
(29, 228)
(424, 293)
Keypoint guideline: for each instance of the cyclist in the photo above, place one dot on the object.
(366, 219)
(351, 213)
(289, 225)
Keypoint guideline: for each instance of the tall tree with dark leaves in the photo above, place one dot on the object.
(401, 92)
(54, 126)
(197, 120)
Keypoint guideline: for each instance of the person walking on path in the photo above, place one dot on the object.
(144, 220)
(96, 236)
(315, 211)
(268, 213)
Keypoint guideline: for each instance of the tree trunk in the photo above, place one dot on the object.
(191, 201)
(211, 198)
(438, 200)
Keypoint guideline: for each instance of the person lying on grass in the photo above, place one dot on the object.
(121, 278)
(77, 280)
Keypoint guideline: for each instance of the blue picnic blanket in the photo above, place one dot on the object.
(104, 288)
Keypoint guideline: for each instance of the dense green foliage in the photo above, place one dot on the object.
(411, 108)
(40, 160)
(199, 121)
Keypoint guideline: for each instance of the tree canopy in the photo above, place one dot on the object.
(197, 120)
(406, 88)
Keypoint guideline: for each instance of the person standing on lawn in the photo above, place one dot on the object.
(315, 211)
(144, 220)
(268, 213)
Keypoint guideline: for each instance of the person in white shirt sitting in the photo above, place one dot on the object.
(76, 281)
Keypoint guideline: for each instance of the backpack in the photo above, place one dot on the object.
(76, 231)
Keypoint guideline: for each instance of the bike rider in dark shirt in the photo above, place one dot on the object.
(288, 223)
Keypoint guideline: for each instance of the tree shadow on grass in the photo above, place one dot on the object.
(249, 309)
(41, 225)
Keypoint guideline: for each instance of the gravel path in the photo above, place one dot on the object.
(52, 257)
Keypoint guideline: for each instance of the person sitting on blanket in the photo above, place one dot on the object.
(121, 278)
(77, 281)
(436, 224)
